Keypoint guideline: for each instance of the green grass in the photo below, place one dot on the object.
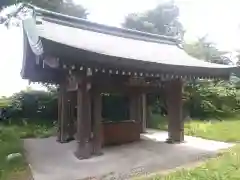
(10, 143)
(227, 130)
(225, 167)
(31, 128)
(11, 134)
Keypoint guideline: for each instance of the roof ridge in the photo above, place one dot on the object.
(93, 26)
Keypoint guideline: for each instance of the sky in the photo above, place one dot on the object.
(220, 19)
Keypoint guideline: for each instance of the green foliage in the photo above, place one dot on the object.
(203, 99)
(10, 143)
(4, 102)
(68, 7)
(24, 103)
(205, 50)
(32, 104)
(157, 20)
(11, 132)
(30, 128)
(158, 122)
(211, 99)
(3, 3)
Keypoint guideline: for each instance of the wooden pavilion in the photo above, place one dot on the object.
(87, 60)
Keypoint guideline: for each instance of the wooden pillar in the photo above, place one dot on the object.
(135, 109)
(174, 107)
(97, 123)
(144, 112)
(71, 108)
(132, 107)
(62, 114)
(148, 112)
(84, 147)
(135, 106)
(59, 113)
(139, 108)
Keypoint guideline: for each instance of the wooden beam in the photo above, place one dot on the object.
(174, 108)
(118, 83)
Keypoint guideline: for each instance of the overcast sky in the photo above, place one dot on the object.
(219, 18)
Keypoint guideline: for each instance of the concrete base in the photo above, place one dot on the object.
(54, 161)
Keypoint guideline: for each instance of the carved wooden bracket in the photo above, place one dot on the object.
(72, 83)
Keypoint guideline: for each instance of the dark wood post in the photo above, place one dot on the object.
(71, 107)
(148, 111)
(135, 104)
(84, 147)
(59, 113)
(135, 108)
(138, 107)
(132, 106)
(62, 114)
(97, 123)
(174, 107)
(144, 112)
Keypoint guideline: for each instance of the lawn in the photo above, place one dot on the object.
(11, 134)
(227, 130)
(224, 167)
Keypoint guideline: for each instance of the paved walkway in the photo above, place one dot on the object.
(50, 160)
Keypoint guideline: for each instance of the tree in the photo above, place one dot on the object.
(238, 56)
(164, 20)
(62, 6)
(161, 20)
(4, 3)
(206, 50)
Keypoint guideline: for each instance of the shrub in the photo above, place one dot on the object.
(32, 104)
(211, 99)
